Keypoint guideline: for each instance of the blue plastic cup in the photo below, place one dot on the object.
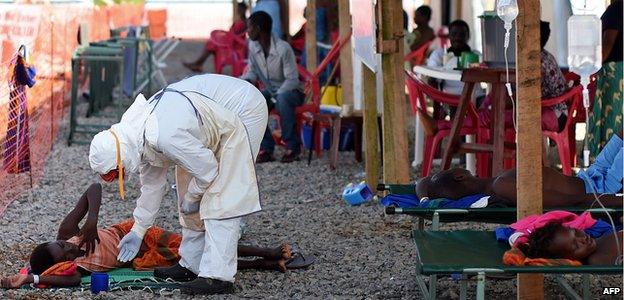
(99, 282)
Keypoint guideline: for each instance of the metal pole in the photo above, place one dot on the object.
(52, 83)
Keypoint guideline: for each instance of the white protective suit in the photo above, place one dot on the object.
(211, 132)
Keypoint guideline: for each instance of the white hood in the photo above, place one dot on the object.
(103, 152)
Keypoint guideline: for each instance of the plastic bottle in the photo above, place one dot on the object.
(585, 56)
(584, 46)
(507, 10)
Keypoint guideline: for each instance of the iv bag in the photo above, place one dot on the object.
(507, 10)
(584, 45)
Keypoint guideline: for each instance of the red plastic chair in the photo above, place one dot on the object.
(418, 90)
(312, 89)
(418, 56)
(309, 112)
(228, 51)
(565, 139)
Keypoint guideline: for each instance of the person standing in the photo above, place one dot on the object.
(277, 10)
(423, 33)
(209, 127)
(605, 117)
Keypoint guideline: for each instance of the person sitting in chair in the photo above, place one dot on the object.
(93, 249)
(604, 177)
(272, 62)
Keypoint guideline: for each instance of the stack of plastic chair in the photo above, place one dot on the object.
(310, 112)
(104, 65)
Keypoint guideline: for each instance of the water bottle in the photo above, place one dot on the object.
(585, 57)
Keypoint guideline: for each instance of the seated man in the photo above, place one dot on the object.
(459, 34)
(603, 177)
(554, 85)
(555, 240)
(94, 249)
(272, 62)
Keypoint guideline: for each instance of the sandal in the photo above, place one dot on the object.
(298, 261)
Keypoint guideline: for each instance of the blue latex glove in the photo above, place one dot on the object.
(129, 247)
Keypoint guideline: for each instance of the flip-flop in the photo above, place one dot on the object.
(298, 261)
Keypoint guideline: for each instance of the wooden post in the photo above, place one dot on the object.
(310, 36)
(346, 57)
(371, 129)
(529, 153)
(286, 14)
(458, 9)
(234, 10)
(396, 161)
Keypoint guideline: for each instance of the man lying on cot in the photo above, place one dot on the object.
(62, 262)
(557, 241)
(604, 178)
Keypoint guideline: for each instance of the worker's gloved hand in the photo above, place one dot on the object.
(129, 247)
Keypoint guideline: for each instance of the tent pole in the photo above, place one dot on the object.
(310, 36)
(346, 58)
(390, 45)
(371, 129)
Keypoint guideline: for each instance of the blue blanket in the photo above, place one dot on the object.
(411, 201)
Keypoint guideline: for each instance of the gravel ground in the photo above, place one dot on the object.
(360, 252)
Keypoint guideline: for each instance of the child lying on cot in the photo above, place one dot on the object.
(603, 177)
(557, 241)
(61, 263)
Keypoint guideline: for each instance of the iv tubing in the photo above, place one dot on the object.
(507, 84)
(584, 83)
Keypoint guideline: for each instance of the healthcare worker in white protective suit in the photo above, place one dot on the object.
(209, 127)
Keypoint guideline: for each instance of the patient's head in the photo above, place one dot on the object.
(47, 254)
(557, 241)
(450, 184)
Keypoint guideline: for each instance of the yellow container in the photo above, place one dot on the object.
(333, 95)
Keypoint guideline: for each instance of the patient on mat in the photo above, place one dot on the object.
(557, 241)
(604, 177)
(80, 251)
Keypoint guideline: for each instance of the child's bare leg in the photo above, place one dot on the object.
(262, 264)
(281, 252)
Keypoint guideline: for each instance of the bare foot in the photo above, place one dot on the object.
(281, 265)
(282, 252)
(286, 251)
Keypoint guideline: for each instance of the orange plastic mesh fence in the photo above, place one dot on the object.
(50, 36)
